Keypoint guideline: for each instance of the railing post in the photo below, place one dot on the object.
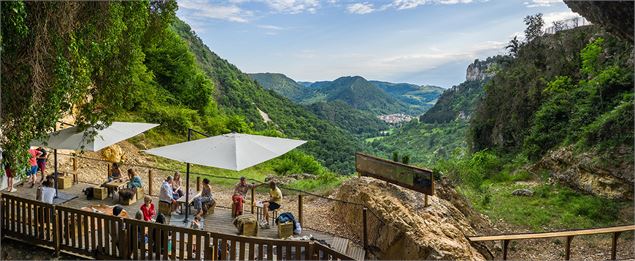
(198, 183)
(56, 232)
(108, 173)
(425, 204)
(75, 181)
(252, 200)
(150, 182)
(300, 209)
(567, 250)
(311, 250)
(505, 247)
(616, 235)
(364, 229)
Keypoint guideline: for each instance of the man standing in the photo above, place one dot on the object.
(41, 162)
(240, 192)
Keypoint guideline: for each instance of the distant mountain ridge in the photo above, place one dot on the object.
(376, 97)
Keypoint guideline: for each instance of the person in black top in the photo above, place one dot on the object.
(41, 162)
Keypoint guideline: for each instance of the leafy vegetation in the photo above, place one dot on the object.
(281, 84)
(62, 57)
(574, 87)
(424, 143)
(349, 119)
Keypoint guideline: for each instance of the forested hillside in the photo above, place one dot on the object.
(419, 98)
(241, 97)
(348, 118)
(281, 84)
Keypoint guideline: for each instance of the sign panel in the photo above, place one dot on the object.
(407, 176)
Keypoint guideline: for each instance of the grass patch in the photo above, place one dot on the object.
(551, 207)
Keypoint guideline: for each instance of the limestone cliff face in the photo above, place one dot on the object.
(478, 71)
(404, 228)
(610, 178)
(616, 17)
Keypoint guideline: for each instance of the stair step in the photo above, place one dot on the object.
(355, 251)
(340, 244)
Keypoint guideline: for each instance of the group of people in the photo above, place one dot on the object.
(240, 192)
(37, 162)
(134, 181)
(171, 191)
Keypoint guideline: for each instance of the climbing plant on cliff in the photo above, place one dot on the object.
(63, 57)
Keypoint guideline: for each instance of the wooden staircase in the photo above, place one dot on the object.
(348, 248)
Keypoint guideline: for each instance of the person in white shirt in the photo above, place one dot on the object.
(48, 192)
(165, 195)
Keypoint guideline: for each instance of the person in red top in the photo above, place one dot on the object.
(32, 173)
(147, 208)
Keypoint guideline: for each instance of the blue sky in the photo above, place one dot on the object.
(415, 41)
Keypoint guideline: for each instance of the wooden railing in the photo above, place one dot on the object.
(566, 234)
(103, 236)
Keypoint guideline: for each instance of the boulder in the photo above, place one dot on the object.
(523, 192)
(401, 227)
(113, 153)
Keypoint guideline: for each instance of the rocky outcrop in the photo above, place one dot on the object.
(587, 172)
(401, 227)
(478, 71)
(617, 17)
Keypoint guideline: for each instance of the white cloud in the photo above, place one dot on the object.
(549, 18)
(271, 27)
(199, 9)
(541, 3)
(360, 8)
(408, 4)
(293, 6)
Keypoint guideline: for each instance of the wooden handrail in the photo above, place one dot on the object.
(567, 234)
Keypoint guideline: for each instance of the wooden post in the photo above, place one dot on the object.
(364, 230)
(311, 250)
(300, 209)
(505, 247)
(616, 235)
(252, 200)
(198, 183)
(108, 173)
(426, 200)
(56, 233)
(150, 182)
(567, 250)
(75, 181)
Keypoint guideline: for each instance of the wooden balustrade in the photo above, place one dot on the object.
(103, 236)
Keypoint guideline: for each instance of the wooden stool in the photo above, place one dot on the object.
(260, 215)
(165, 208)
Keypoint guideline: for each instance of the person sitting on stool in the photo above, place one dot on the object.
(275, 199)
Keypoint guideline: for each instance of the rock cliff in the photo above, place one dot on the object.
(478, 71)
(403, 228)
(590, 173)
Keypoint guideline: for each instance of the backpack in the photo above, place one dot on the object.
(88, 192)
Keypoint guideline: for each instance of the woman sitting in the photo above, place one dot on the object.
(134, 181)
(115, 173)
(204, 199)
(177, 191)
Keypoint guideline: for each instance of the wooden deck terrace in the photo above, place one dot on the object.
(220, 221)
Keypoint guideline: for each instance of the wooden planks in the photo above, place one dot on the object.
(554, 234)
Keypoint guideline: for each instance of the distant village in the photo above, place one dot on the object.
(395, 118)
